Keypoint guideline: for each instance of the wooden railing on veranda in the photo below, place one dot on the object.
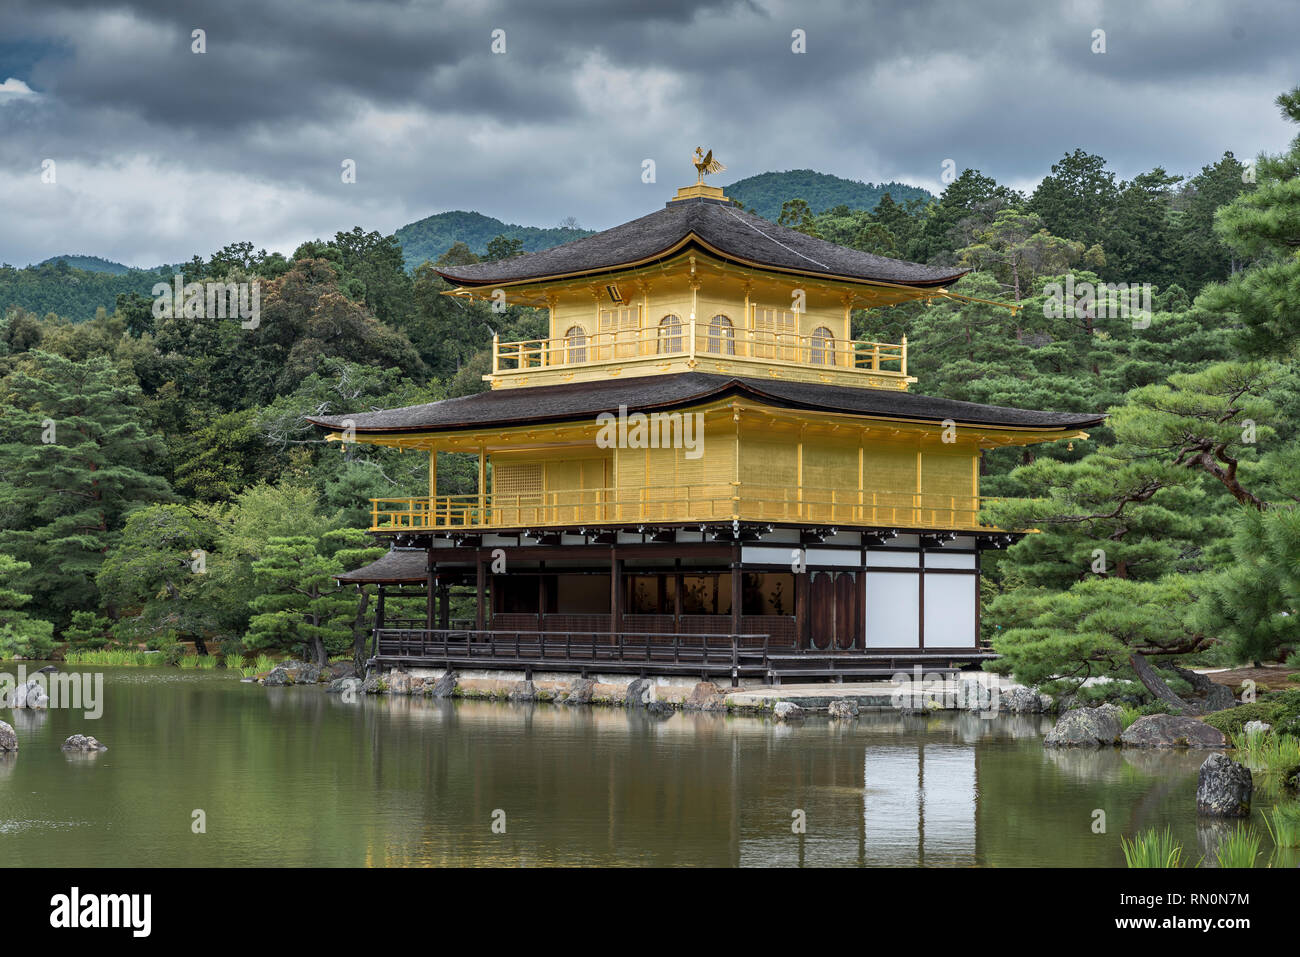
(694, 339)
(706, 503)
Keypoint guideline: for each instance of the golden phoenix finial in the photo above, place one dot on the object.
(705, 163)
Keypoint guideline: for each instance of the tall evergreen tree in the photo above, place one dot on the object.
(76, 457)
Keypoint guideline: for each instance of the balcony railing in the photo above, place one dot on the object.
(680, 342)
(721, 502)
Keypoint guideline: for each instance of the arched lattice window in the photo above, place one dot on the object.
(822, 350)
(670, 334)
(575, 341)
(722, 336)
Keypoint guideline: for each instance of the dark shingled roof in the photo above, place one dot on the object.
(722, 226)
(393, 567)
(584, 400)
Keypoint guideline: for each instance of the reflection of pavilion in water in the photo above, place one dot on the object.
(919, 804)
(905, 804)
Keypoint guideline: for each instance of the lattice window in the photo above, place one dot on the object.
(575, 344)
(774, 333)
(621, 329)
(722, 336)
(822, 350)
(670, 334)
(522, 480)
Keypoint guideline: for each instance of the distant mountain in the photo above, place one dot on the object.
(763, 194)
(57, 285)
(89, 264)
(432, 236)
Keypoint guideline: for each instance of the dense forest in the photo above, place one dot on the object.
(765, 193)
(158, 483)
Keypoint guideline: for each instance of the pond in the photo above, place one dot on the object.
(292, 776)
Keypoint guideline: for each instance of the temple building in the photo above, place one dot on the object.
(698, 470)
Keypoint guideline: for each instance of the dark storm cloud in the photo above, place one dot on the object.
(165, 153)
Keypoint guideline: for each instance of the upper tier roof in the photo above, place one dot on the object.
(585, 400)
(715, 225)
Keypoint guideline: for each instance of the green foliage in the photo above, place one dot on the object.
(1262, 226)
(1057, 640)
(765, 193)
(87, 630)
(1152, 848)
(21, 635)
(76, 456)
(429, 238)
(1233, 720)
(299, 605)
(1240, 848)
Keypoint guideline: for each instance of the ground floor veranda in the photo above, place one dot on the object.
(732, 601)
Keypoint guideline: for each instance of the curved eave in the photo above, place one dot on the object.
(693, 238)
(721, 394)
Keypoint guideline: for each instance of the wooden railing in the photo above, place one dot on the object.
(701, 653)
(720, 502)
(695, 339)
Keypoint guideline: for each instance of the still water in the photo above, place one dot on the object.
(292, 776)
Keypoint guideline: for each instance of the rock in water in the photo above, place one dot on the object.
(445, 686)
(786, 711)
(1023, 700)
(82, 742)
(1223, 788)
(1171, 731)
(844, 709)
(580, 692)
(8, 739)
(1085, 728)
(640, 693)
(705, 696)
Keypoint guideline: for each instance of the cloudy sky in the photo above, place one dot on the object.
(160, 152)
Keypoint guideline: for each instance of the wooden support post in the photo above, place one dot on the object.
(432, 520)
(615, 593)
(737, 598)
(379, 622)
(444, 606)
(430, 577)
(541, 595)
(480, 575)
(482, 485)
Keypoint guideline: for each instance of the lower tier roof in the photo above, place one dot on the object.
(584, 400)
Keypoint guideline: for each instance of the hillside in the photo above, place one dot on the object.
(56, 286)
(90, 264)
(432, 236)
(763, 194)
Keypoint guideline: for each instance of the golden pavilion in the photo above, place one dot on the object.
(698, 470)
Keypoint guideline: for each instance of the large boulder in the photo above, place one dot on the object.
(31, 694)
(8, 739)
(786, 711)
(347, 687)
(340, 669)
(1085, 728)
(82, 742)
(277, 677)
(522, 691)
(444, 687)
(639, 693)
(580, 692)
(1022, 700)
(399, 682)
(1223, 788)
(1171, 731)
(705, 696)
(844, 709)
